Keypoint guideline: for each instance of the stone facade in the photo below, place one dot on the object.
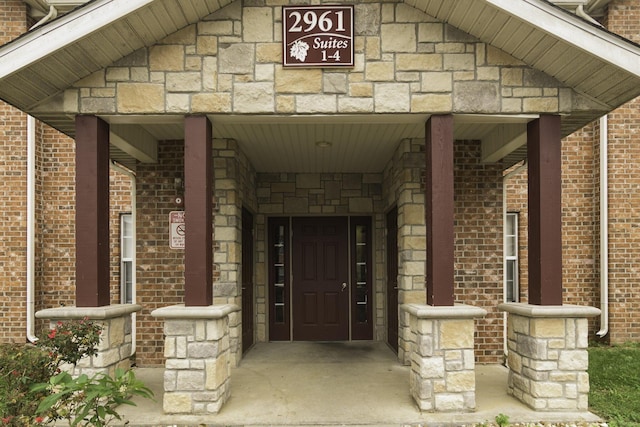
(547, 355)
(443, 376)
(198, 358)
(405, 62)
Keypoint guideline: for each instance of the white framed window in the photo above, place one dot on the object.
(127, 258)
(511, 273)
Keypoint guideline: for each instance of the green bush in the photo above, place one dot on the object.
(21, 366)
(33, 390)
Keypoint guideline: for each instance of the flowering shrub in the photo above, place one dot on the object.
(22, 365)
(72, 340)
(33, 390)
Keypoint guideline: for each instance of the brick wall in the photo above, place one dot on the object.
(13, 155)
(581, 211)
(478, 245)
(159, 270)
(624, 194)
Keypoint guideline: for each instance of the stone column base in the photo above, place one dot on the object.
(114, 349)
(198, 358)
(548, 357)
(442, 356)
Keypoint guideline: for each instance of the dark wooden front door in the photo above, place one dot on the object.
(392, 278)
(247, 280)
(320, 263)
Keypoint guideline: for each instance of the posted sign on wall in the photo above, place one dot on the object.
(317, 36)
(176, 230)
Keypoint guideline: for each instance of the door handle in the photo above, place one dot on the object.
(344, 286)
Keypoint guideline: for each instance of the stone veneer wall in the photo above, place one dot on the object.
(548, 359)
(291, 194)
(405, 62)
(404, 187)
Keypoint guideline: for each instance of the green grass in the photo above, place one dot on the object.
(614, 374)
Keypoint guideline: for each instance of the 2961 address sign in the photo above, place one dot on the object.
(317, 36)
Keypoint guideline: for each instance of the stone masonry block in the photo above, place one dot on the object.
(257, 24)
(446, 402)
(202, 350)
(169, 378)
(140, 97)
(106, 358)
(420, 388)
(460, 381)
(166, 58)
(532, 347)
(187, 380)
(298, 81)
(392, 97)
(454, 334)
(117, 331)
(573, 360)
(236, 58)
(546, 389)
(424, 345)
(398, 37)
(217, 371)
(429, 367)
(548, 328)
(177, 403)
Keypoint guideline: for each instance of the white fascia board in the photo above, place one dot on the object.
(62, 32)
(574, 31)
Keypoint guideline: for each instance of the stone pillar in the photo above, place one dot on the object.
(547, 355)
(442, 377)
(198, 358)
(115, 347)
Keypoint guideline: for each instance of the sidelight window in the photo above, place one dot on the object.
(127, 255)
(361, 307)
(279, 278)
(511, 282)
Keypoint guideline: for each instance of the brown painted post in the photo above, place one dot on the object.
(545, 210)
(92, 212)
(198, 254)
(439, 209)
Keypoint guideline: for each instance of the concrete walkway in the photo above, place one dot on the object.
(357, 383)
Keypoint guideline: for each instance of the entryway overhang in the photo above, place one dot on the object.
(36, 68)
(319, 144)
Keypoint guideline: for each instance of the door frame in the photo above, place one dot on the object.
(279, 270)
(248, 285)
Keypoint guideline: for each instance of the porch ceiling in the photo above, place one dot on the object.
(42, 63)
(357, 143)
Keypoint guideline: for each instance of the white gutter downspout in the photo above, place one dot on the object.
(581, 13)
(31, 209)
(132, 176)
(53, 13)
(31, 220)
(604, 229)
(505, 178)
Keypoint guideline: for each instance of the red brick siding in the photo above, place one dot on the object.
(160, 270)
(624, 195)
(478, 245)
(13, 219)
